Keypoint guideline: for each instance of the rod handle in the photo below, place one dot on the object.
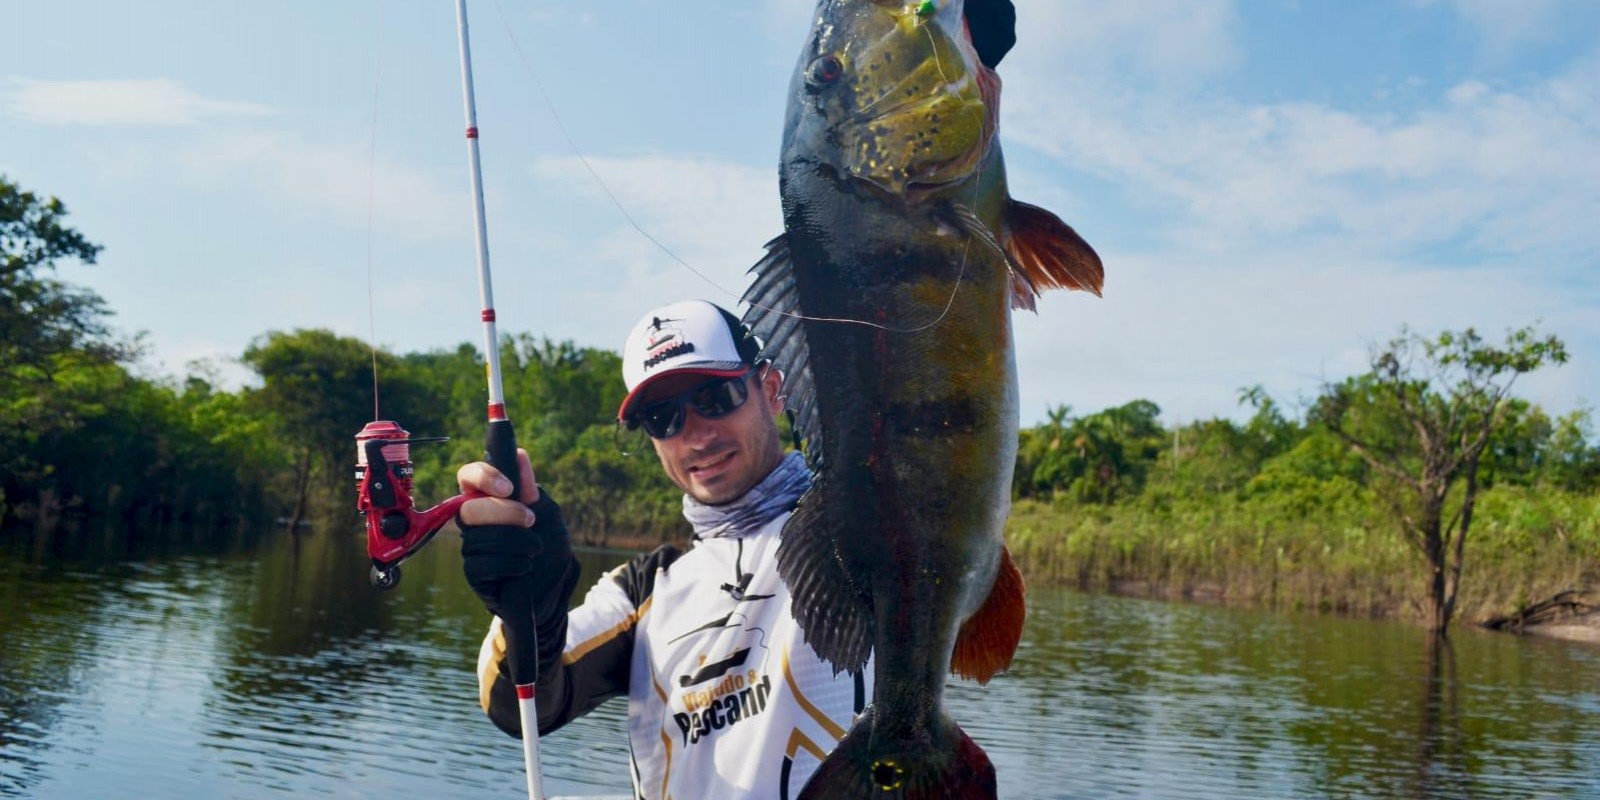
(500, 449)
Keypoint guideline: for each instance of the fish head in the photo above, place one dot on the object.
(892, 94)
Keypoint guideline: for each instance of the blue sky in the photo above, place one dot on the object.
(1274, 185)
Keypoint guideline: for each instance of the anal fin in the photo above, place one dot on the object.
(834, 614)
(989, 638)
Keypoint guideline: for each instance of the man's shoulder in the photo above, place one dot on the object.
(638, 577)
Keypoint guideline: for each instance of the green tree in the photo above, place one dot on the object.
(1100, 458)
(1422, 419)
(318, 391)
(46, 327)
(42, 318)
(1570, 459)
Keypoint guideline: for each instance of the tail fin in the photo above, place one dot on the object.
(940, 762)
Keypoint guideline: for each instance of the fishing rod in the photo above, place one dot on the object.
(396, 530)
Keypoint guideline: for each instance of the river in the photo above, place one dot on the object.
(230, 665)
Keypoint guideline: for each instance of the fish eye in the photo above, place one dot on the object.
(826, 70)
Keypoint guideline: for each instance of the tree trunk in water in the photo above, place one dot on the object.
(1434, 546)
(1469, 500)
(304, 480)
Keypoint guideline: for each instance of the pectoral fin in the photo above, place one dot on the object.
(1048, 253)
(989, 638)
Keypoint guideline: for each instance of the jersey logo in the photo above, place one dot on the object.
(715, 669)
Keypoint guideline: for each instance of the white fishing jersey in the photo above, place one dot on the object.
(725, 698)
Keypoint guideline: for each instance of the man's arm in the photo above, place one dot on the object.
(594, 666)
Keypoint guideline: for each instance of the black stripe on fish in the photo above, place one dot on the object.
(974, 227)
(931, 418)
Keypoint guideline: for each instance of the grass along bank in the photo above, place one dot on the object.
(1344, 555)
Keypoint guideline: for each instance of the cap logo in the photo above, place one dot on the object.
(659, 334)
(663, 342)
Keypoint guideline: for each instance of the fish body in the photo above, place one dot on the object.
(887, 303)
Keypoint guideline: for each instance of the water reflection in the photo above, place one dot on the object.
(245, 666)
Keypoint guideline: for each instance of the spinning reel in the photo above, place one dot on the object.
(396, 530)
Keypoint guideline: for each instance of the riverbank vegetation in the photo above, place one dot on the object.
(1291, 508)
(1391, 490)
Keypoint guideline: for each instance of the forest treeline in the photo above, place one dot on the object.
(1304, 506)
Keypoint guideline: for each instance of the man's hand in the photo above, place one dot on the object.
(497, 508)
(517, 554)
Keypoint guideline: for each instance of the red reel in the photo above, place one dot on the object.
(396, 530)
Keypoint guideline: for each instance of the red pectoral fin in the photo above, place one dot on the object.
(1050, 254)
(988, 639)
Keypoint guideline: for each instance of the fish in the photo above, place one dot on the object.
(886, 302)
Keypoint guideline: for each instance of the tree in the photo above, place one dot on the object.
(318, 388)
(46, 326)
(1570, 461)
(42, 318)
(1422, 418)
(1100, 458)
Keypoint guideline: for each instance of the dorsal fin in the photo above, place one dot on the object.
(1049, 253)
(774, 317)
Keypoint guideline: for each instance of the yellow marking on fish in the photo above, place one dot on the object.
(882, 775)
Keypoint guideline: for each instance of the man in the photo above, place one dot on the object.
(725, 698)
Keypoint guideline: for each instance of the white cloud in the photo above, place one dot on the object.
(1505, 171)
(1288, 233)
(1505, 25)
(1176, 40)
(156, 102)
(1187, 331)
(328, 180)
(712, 213)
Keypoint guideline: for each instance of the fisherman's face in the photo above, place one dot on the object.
(716, 461)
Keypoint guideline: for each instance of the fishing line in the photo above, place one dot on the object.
(372, 169)
(606, 189)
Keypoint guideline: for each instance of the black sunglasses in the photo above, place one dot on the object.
(718, 397)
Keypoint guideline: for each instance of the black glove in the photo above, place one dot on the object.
(525, 574)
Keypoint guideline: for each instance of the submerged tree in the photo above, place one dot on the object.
(1422, 418)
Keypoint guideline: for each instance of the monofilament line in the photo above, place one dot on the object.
(372, 169)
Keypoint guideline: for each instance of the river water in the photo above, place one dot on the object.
(238, 666)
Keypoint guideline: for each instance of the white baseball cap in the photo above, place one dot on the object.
(692, 336)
